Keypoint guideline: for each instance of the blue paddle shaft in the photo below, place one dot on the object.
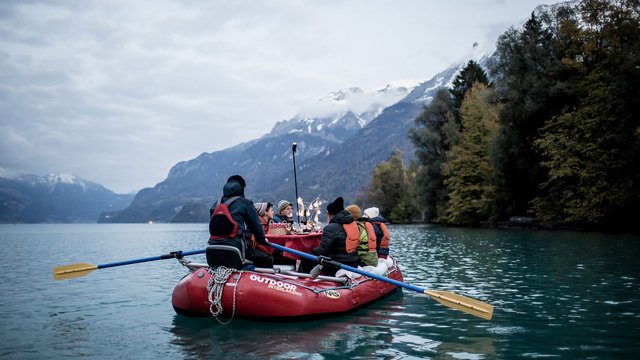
(171, 255)
(349, 268)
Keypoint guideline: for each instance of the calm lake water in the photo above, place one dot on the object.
(566, 295)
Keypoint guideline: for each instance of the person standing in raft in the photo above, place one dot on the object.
(340, 239)
(244, 214)
(380, 229)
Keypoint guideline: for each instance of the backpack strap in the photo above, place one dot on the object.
(230, 200)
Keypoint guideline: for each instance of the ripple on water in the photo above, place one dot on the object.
(554, 293)
(465, 356)
(505, 330)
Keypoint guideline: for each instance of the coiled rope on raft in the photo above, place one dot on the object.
(215, 286)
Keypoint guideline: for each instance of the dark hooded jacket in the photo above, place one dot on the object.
(242, 211)
(333, 242)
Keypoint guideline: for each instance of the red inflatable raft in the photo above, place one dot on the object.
(265, 293)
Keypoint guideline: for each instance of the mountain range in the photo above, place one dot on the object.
(337, 150)
(335, 156)
(56, 198)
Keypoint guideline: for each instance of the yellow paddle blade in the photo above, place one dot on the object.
(72, 271)
(462, 303)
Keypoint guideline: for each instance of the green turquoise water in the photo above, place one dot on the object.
(565, 295)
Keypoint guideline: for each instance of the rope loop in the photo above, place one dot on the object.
(215, 286)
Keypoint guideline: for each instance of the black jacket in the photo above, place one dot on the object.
(333, 242)
(242, 211)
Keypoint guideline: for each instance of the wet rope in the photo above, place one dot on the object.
(215, 286)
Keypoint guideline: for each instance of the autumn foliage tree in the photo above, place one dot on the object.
(437, 129)
(556, 136)
(469, 174)
(391, 190)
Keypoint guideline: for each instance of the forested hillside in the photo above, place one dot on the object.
(550, 130)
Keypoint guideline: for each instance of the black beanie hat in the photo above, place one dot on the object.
(238, 179)
(336, 206)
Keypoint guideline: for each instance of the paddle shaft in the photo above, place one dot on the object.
(171, 255)
(451, 300)
(349, 268)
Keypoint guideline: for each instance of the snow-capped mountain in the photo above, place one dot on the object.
(337, 127)
(52, 180)
(336, 154)
(55, 198)
(345, 169)
(340, 114)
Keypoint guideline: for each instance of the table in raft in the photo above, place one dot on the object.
(302, 242)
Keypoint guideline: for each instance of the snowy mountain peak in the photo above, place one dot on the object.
(66, 178)
(53, 180)
(358, 101)
(341, 113)
(341, 96)
(335, 127)
(398, 88)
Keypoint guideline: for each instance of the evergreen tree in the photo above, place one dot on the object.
(469, 75)
(431, 138)
(592, 151)
(469, 174)
(531, 83)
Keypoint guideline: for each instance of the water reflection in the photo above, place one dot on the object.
(360, 334)
(390, 329)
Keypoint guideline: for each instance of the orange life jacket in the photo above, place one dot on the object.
(385, 239)
(353, 236)
(371, 235)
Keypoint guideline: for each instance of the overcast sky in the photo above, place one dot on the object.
(118, 92)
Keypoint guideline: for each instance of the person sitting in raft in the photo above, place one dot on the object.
(265, 214)
(245, 216)
(340, 239)
(367, 255)
(284, 214)
(372, 214)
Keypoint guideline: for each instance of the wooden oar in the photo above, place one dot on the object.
(83, 269)
(446, 298)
